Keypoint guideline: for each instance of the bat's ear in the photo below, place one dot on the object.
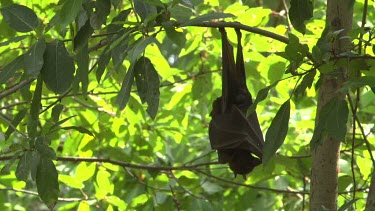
(244, 176)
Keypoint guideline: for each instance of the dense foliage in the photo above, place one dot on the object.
(106, 104)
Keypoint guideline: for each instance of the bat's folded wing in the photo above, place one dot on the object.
(232, 130)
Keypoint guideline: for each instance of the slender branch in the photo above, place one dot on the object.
(368, 145)
(15, 88)
(36, 194)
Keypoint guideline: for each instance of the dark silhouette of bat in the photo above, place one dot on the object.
(238, 139)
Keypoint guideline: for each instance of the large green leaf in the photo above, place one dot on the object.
(47, 182)
(277, 132)
(58, 69)
(332, 121)
(82, 37)
(124, 94)
(299, 12)
(44, 150)
(82, 76)
(102, 9)
(69, 12)
(33, 59)
(20, 18)
(24, 166)
(147, 80)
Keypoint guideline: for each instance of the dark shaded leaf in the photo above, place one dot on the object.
(144, 9)
(24, 166)
(56, 111)
(140, 47)
(69, 12)
(306, 82)
(82, 37)
(206, 17)
(262, 94)
(79, 129)
(82, 76)
(358, 83)
(6, 168)
(102, 9)
(10, 69)
(124, 94)
(44, 150)
(177, 37)
(117, 22)
(147, 80)
(299, 12)
(20, 18)
(47, 182)
(33, 59)
(35, 159)
(34, 110)
(17, 119)
(277, 132)
(102, 63)
(58, 69)
(332, 121)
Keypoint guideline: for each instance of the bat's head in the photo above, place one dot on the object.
(243, 162)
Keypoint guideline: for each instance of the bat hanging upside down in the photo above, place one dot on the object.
(236, 138)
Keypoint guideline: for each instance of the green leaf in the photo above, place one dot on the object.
(147, 80)
(24, 166)
(69, 12)
(144, 9)
(277, 132)
(20, 18)
(35, 159)
(10, 69)
(348, 205)
(299, 12)
(102, 63)
(33, 59)
(117, 22)
(60, 123)
(332, 121)
(206, 17)
(262, 94)
(47, 182)
(14, 39)
(358, 83)
(306, 82)
(82, 76)
(177, 37)
(140, 47)
(34, 110)
(17, 119)
(102, 9)
(79, 129)
(56, 111)
(58, 69)
(44, 150)
(82, 37)
(124, 94)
